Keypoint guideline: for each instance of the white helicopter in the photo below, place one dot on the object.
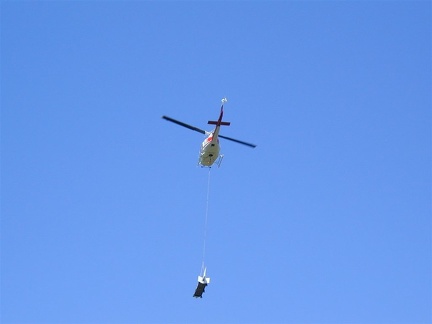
(210, 148)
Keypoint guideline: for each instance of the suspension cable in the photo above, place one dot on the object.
(206, 219)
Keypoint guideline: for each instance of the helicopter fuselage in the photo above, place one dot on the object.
(210, 149)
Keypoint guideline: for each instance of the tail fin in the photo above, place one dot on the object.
(219, 122)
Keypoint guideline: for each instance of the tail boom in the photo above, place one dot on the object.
(219, 122)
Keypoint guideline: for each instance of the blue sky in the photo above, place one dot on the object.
(328, 220)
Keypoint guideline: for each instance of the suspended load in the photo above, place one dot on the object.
(203, 281)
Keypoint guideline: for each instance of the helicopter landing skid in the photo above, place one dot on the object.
(219, 160)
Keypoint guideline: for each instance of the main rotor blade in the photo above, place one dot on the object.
(196, 129)
(237, 141)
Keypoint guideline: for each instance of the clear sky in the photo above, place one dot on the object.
(328, 220)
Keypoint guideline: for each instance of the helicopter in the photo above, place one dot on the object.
(210, 148)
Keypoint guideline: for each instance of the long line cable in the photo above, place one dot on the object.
(206, 219)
